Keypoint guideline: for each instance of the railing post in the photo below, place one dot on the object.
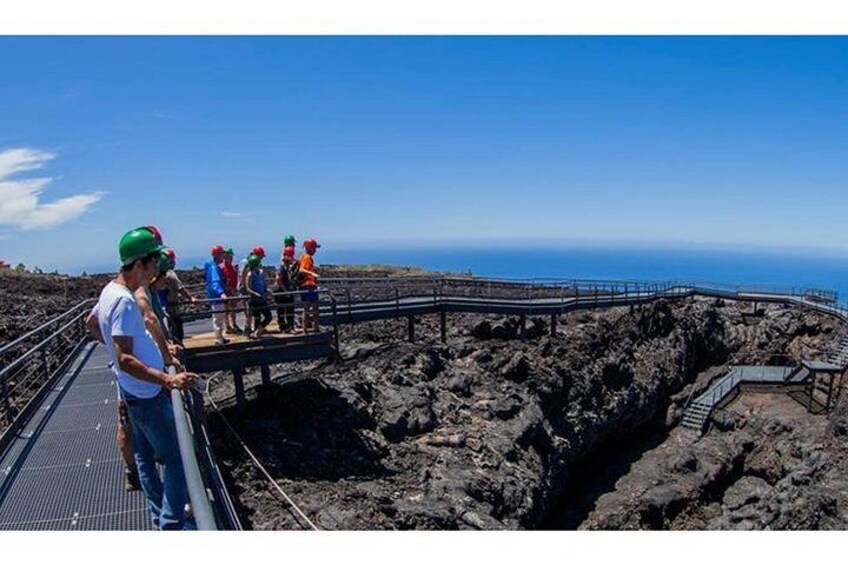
(336, 328)
(443, 324)
(45, 363)
(349, 306)
(238, 382)
(7, 407)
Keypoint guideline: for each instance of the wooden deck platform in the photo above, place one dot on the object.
(204, 355)
(206, 339)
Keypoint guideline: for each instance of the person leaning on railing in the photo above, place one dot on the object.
(139, 367)
(175, 291)
(147, 298)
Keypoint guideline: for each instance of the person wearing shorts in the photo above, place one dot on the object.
(309, 286)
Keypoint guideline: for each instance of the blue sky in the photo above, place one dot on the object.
(394, 141)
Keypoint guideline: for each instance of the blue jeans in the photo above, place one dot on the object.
(155, 434)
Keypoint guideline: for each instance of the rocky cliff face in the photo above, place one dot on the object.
(487, 431)
(768, 464)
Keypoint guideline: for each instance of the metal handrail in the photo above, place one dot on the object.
(241, 297)
(607, 283)
(9, 346)
(4, 372)
(200, 505)
(49, 371)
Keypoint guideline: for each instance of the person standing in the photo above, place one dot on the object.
(244, 270)
(285, 302)
(308, 285)
(153, 315)
(216, 291)
(230, 286)
(140, 372)
(258, 291)
(288, 241)
(175, 291)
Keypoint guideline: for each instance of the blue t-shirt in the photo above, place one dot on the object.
(256, 281)
(214, 280)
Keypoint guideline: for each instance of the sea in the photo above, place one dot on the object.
(785, 268)
(780, 268)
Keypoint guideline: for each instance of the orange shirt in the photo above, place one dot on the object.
(306, 263)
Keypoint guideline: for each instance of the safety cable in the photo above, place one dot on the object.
(262, 467)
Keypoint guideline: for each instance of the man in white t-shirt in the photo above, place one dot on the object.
(139, 367)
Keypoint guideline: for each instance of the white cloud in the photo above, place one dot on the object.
(20, 204)
(232, 215)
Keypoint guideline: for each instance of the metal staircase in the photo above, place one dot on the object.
(837, 353)
(696, 415)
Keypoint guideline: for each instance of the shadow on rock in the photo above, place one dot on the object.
(303, 429)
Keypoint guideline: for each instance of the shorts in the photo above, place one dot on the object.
(310, 293)
(217, 306)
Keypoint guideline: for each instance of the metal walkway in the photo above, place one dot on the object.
(699, 410)
(63, 471)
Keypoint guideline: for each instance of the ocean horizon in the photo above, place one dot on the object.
(749, 267)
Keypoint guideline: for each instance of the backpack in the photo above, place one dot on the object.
(295, 275)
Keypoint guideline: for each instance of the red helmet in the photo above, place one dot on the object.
(156, 233)
(172, 255)
(217, 250)
(259, 251)
(311, 244)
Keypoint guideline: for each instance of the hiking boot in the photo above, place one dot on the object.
(131, 482)
(222, 341)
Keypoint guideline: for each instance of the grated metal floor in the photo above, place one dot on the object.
(64, 472)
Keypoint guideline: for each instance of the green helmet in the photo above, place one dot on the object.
(165, 263)
(288, 241)
(138, 243)
(229, 251)
(253, 260)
